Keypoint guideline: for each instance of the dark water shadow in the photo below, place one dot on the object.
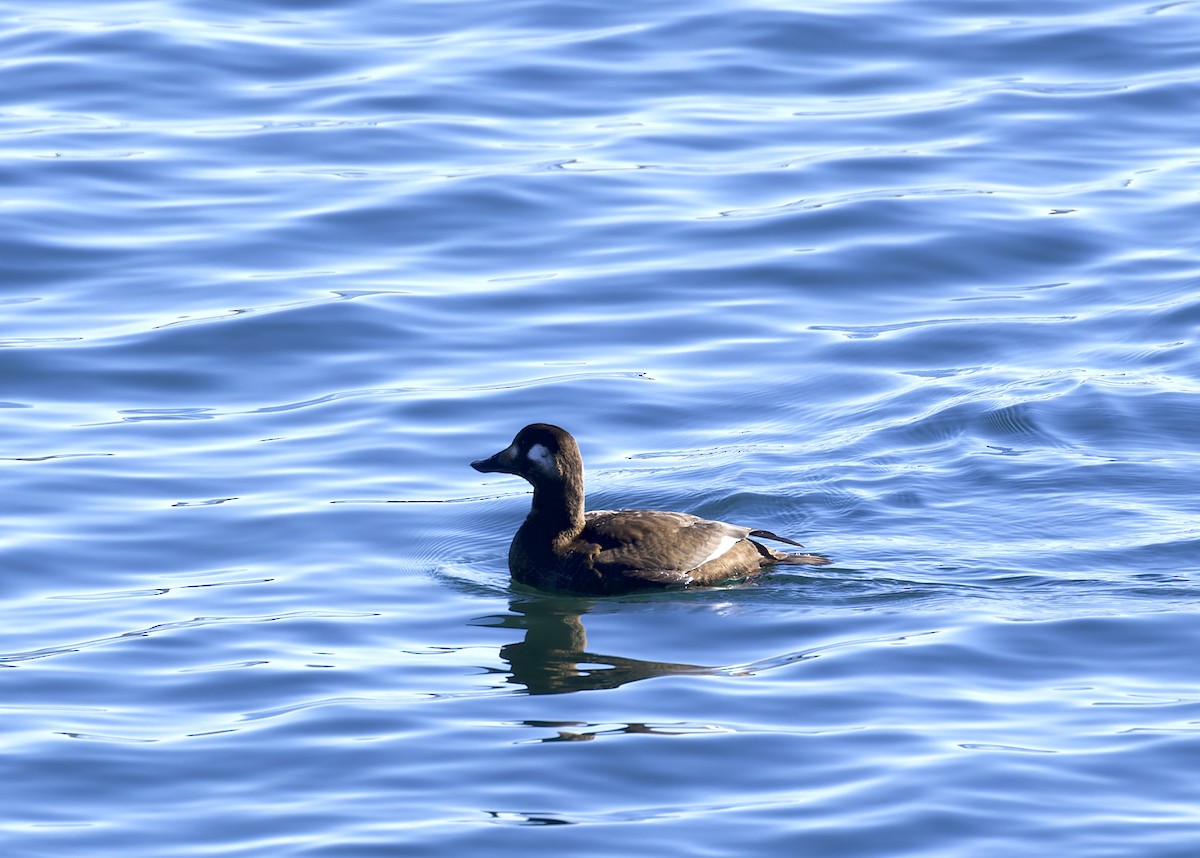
(553, 657)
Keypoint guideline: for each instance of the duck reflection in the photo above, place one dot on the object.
(553, 657)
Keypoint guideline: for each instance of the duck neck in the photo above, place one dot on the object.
(558, 507)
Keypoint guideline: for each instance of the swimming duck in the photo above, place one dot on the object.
(561, 547)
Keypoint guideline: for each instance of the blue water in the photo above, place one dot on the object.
(917, 283)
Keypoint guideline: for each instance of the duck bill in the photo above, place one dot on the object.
(501, 463)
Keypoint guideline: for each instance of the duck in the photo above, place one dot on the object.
(563, 548)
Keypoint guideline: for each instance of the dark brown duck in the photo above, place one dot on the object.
(561, 547)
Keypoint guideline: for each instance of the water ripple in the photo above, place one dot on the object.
(160, 628)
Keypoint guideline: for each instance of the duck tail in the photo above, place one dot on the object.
(766, 534)
(784, 558)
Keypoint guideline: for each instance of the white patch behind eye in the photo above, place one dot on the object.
(726, 543)
(542, 459)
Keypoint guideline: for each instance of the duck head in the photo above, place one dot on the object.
(540, 453)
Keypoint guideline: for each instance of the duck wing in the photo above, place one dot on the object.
(655, 546)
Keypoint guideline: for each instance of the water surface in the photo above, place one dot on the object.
(916, 283)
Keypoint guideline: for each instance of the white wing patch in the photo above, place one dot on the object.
(542, 459)
(726, 543)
